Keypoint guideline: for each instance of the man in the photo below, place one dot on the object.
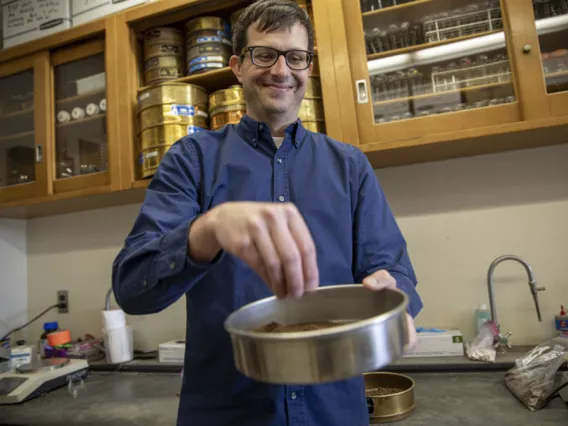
(260, 208)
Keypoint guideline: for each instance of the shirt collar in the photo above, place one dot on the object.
(252, 130)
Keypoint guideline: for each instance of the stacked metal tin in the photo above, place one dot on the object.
(166, 113)
(311, 110)
(163, 55)
(227, 106)
(208, 42)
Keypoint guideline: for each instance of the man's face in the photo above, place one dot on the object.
(277, 90)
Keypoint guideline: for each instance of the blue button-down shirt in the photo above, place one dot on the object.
(335, 189)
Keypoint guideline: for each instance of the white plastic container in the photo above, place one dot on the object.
(119, 345)
(92, 83)
(85, 11)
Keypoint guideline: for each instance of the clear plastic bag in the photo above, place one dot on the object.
(532, 378)
(482, 348)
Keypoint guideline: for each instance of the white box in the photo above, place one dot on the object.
(443, 343)
(173, 351)
(92, 83)
(25, 20)
(89, 10)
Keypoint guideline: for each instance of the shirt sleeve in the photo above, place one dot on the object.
(378, 241)
(153, 269)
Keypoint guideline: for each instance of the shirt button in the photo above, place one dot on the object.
(279, 160)
(281, 198)
(293, 395)
(145, 283)
(172, 266)
(261, 127)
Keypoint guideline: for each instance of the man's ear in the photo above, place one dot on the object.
(235, 64)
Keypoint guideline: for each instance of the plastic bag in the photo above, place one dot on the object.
(532, 378)
(482, 348)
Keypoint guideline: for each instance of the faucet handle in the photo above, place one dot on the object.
(540, 288)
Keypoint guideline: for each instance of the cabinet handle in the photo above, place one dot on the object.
(362, 94)
(527, 48)
(39, 154)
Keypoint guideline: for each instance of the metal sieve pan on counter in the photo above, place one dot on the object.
(372, 334)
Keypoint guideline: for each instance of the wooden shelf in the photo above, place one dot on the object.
(395, 8)
(446, 92)
(82, 121)
(16, 113)
(210, 81)
(422, 46)
(141, 184)
(79, 97)
(17, 136)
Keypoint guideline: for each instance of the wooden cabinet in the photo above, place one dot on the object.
(24, 128)
(405, 80)
(430, 71)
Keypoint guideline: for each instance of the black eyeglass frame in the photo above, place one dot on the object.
(250, 49)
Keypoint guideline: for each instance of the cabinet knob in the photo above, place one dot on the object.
(527, 48)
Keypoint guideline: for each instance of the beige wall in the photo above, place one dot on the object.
(457, 216)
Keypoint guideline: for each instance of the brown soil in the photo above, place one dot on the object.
(275, 327)
(381, 391)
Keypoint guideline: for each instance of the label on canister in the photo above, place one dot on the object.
(194, 129)
(212, 39)
(204, 59)
(182, 110)
(205, 66)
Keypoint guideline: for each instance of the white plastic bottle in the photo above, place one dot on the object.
(482, 314)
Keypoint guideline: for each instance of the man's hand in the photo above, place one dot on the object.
(381, 280)
(272, 239)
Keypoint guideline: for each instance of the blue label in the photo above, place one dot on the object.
(205, 66)
(184, 110)
(194, 129)
(201, 59)
(212, 39)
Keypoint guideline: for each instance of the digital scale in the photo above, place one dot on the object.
(29, 381)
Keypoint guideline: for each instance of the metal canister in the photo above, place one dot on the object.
(161, 35)
(187, 115)
(150, 159)
(230, 114)
(206, 66)
(311, 110)
(208, 23)
(172, 93)
(165, 134)
(161, 74)
(164, 49)
(313, 91)
(314, 126)
(163, 62)
(229, 96)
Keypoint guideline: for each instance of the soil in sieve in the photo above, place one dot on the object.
(380, 391)
(275, 327)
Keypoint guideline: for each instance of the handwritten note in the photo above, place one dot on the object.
(21, 16)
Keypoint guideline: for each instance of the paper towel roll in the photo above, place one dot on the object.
(114, 319)
(118, 345)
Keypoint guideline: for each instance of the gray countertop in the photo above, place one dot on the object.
(128, 399)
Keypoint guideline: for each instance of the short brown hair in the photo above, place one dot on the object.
(270, 15)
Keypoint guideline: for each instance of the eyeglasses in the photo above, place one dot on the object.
(265, 57)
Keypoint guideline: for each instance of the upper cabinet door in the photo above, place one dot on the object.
(80, 117)
(551, 17)
(424, 67)
(24, 142)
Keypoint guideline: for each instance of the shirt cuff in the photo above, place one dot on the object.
(175, 254)
(414, 302)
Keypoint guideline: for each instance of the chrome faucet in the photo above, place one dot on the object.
(107, 299)
(532, 285)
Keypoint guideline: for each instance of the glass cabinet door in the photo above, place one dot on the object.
(552, 27)
(425, 67)
(81, 154)
(22, 138)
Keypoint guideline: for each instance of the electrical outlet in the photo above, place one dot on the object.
(63, 301)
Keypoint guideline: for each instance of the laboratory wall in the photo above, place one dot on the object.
(457, 216)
